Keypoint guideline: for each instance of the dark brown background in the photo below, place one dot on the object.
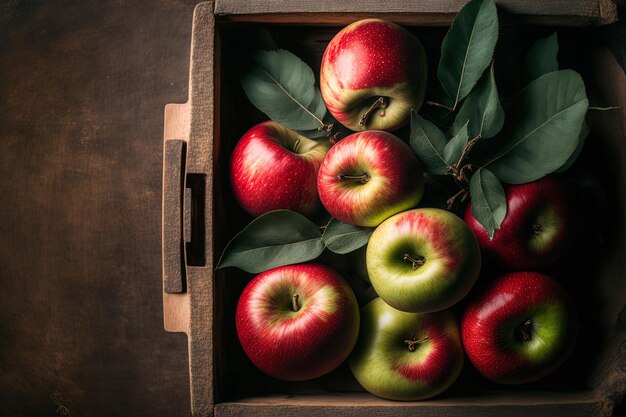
(82, 90)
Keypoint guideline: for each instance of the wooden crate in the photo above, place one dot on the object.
(200, 215)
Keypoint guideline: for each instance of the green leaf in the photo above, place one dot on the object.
(344, 238)
(428, 143)
(454, 149)
(468, 49)
(541, 58)
(276, 238)
(481, 109)
(488, 200)
(282, 86)
(579, 148)
(549, 114)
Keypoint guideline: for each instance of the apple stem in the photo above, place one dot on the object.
(334, 138)
(536, 229)
(363, 178)
(410, 344)
(326, 128)
(294, 302)
(380, 103)
(524, 329)
(415, 262)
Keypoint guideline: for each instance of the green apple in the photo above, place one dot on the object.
(423, 260)
(406, 356)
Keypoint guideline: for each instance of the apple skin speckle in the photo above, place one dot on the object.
(371, 41)
(367, 60)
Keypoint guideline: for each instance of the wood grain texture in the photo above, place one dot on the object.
(200, 161)
(174, 155)
(572, 12)
(82, 90)
(610, 126)
(176, 312)
(539, 404)
(176, 121)
(192, 312)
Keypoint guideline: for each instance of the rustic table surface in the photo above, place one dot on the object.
(83, 85)
(82, 90)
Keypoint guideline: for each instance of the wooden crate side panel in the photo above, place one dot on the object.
(573, 12)
(537, 404)
(610, 125)
(200, 161)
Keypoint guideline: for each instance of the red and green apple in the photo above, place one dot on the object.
(520, 328)
(423, 260)
(369, 176)
(373, 73)
(406, 356)
(536, 230)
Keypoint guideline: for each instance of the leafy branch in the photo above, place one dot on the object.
(543, 131)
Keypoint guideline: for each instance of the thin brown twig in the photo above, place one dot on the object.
(441, 106)
(450, 202)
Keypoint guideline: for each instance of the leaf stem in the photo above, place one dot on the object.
(325, 226)
(461, 193)
(326, 128)
(442, 106)
(458, 170)
(605, 108)
(466, 150)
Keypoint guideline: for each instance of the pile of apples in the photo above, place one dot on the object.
(298, 322)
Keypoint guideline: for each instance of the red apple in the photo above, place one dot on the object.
(520, 328)
(406, 356)
(273, 167)
(535, 231)
(373, 73)
(297, 322)
(368, 177)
